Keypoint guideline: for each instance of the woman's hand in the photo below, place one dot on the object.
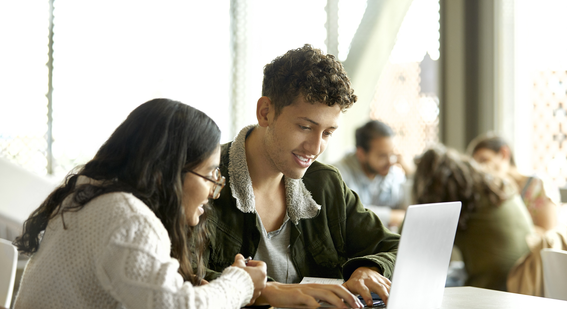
(256, 270)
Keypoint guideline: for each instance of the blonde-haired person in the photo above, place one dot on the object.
(540, 197)
(115, 233)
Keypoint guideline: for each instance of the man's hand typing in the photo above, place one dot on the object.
(367, 279)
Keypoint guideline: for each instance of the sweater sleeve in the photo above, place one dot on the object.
(135, 267)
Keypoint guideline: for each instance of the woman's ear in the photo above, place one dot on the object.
(505, 152)
(264, 109)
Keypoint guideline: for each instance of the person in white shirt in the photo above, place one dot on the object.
(127, 229)
(371, 171)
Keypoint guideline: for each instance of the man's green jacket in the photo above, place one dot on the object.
(340, 238)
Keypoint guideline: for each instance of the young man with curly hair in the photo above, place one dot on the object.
(283, 207)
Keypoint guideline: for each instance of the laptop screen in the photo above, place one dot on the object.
(423, 256)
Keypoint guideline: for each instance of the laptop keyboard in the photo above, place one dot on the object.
(377, 301)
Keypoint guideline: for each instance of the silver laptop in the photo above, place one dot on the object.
(423, 256)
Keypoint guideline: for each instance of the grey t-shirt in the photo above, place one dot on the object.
(273, 249)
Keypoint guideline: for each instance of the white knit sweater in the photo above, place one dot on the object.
(115, 253)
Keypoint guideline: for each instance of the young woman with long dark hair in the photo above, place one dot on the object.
(115, 233)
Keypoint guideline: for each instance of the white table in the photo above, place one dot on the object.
(476, 298)
(469, 297)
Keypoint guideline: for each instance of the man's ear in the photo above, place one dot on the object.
(264, 111)
(360, 154)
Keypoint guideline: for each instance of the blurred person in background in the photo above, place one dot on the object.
(494, 222)
(541, 198)
(376, 173)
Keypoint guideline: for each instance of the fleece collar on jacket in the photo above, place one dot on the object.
(300, 204)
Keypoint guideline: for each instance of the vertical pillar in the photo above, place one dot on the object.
(239, 44)
(49, 95)
(332, 26)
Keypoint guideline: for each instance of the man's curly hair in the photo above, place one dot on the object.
(307, 71)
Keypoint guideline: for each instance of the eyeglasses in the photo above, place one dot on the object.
(218, 180)
(390, 158)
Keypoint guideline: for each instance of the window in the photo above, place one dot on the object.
(109, 57)
(539, 97)
(23, 83)
(406, 96)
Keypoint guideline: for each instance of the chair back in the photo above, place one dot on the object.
(554, 273)
(8, 262)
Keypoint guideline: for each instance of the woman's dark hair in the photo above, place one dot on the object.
(147, 156)
(444, 175)
(490, 141)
